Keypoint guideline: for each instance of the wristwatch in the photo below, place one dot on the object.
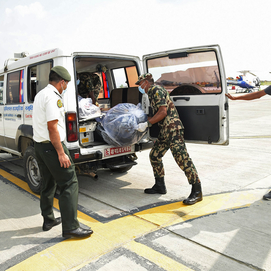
(149, 124)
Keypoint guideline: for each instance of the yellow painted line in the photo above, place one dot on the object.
(85, 219)
(156, 257)
(17, 181)
(73, 254)
(23, 185)
(175, 213)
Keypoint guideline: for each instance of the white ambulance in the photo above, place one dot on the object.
(194, 77)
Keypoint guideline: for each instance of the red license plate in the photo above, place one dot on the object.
(117, 150)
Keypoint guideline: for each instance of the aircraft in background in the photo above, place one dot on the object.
(248, 81)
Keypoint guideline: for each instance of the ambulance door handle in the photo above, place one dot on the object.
(19, 116)
(181, 98)
(200, 112)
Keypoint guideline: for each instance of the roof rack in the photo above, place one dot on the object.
(17, 56)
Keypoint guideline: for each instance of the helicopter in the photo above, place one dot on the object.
(248, 81)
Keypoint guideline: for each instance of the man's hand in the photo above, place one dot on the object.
(248, 96)
(55, 140)
(142, 126)
(230, 96)
(64, 160)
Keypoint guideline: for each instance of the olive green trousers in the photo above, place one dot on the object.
(53, 176)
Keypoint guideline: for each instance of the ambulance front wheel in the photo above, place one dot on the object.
(32, 172)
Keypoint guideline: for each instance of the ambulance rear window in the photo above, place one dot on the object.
(187, 73)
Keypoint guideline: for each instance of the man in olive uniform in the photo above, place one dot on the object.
(170, 137)
(55, 163)
(89, 86)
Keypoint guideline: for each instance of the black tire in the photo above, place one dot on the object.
(32, 171)
(121, 170)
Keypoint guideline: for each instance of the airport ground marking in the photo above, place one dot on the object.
(71, 254)
(156, 257)
(23, 185)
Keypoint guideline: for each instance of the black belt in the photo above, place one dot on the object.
(44, 142)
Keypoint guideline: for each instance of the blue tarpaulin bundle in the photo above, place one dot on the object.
(120, 124)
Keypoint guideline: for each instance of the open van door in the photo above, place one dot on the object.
(195, 78)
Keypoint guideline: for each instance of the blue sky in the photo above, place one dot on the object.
(138, 27)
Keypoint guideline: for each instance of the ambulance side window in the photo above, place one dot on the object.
(1, 89)
(38, 78)
(15, 87)
(125, 77)
(120, 78)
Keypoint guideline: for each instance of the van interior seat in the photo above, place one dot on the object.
(125, 95)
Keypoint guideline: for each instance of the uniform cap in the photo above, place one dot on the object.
(62, 72)
(144, 76)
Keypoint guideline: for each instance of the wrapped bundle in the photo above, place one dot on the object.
(120, 124)
(87, 109)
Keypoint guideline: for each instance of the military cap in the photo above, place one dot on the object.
(62, 72)
(144, 76)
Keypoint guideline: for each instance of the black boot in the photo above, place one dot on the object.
(267, 196)
(195, 196)
(48, 224)
(158, 188)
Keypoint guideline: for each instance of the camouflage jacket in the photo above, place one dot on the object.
(89, 82)
(158, 96)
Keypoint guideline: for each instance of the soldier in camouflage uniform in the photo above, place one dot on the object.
(170, 137)
(89, 86)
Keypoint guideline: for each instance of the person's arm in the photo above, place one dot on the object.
(91, 95)
(55, 140)
(249, 96)
(161, 114)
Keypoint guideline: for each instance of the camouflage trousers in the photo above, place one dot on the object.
(175, 142)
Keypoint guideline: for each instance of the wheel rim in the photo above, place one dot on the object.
(33, 171)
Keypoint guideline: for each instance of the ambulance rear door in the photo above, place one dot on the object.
(195, 79)
(2, 133)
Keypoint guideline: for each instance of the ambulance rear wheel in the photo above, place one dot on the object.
(32, 171)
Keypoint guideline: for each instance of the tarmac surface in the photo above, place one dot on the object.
(228, 230)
